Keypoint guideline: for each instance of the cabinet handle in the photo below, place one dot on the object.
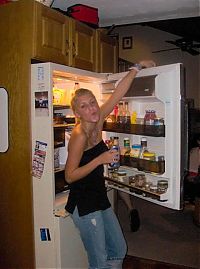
(74, 50)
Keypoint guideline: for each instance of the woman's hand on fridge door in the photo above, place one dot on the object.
(142, 64)
(147, 63)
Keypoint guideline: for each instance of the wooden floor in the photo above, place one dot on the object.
(131, 262)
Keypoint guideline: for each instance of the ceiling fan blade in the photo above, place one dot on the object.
(165, 50)
(196, 45)
(193, 52)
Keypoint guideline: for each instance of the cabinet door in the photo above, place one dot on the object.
(83, 46)
(51, 35)
(107, 53)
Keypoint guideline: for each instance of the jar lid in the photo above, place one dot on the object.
(162, 182)
(136, 146)
(149, 154)
(121, 173)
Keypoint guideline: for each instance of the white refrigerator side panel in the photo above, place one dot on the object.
(168, 90)
(43, 181)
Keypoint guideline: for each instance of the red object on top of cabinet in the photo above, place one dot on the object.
(85, 14)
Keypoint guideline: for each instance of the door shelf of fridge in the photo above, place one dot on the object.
(137, 129)
(138, 191)
(156, 167)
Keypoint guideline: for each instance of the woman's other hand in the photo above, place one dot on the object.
(110, 156)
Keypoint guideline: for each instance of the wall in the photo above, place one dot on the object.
(146, 40)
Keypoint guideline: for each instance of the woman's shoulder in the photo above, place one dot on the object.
(78, 134)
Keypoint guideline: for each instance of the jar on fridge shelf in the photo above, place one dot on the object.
(149, 117)
(153, 188)
(149, 156)
(162, 186)
(135, 150)
(161, 164)
(158, 121)
(127, 147)
(140, 180)
(143, 143)
(121, 177)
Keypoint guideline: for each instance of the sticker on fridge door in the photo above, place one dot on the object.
(40, 73)
(45, 234)
(41, 104)
(39, 159)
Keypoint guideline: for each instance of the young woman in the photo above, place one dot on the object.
(88, 204)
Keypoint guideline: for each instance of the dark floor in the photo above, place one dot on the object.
(165, 235)
(131, 262)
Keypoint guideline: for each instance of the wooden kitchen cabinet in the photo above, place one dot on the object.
(83, 46)
(106, 53)
(51, 35)
(60, 39)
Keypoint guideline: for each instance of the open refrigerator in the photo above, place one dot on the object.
(159, 88)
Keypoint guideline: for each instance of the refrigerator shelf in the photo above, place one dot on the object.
(59, 107)
(122, 186)
(137, 129)
(156, 167)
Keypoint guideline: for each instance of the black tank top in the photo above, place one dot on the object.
(89, 193)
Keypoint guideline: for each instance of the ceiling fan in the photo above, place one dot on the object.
(184, 44)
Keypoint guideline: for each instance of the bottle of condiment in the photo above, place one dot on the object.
(76, 87)
(143, 147)
(133, 117)
(115, 111)
(147, 117)
(127, 115)
(127, 147)
(120, 113)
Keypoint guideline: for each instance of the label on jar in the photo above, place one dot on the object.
(135, 151)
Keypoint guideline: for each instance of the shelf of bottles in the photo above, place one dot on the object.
(116, 184)
(149, 166)
(137, 129)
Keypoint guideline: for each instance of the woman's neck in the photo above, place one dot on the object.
(92, 132)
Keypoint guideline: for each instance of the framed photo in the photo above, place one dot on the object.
(127, 42)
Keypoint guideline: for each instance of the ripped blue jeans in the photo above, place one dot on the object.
(102, 237)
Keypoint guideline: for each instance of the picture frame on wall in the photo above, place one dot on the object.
(127, 42)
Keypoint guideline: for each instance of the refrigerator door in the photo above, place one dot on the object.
(164, 94)
(50, 233)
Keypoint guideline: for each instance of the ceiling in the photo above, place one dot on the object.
(179, 17)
